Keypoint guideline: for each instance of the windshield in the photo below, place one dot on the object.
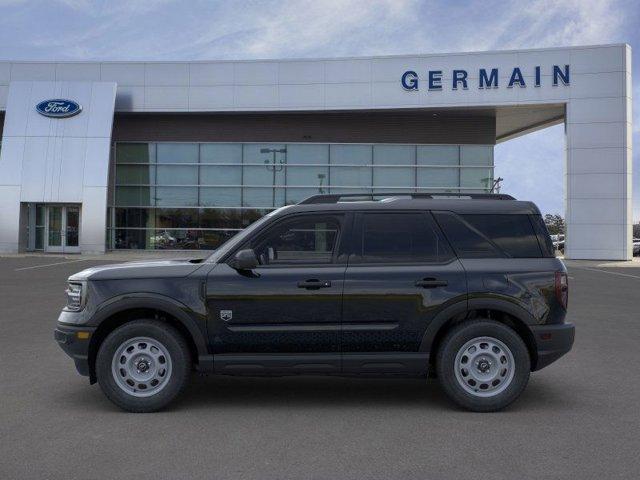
(238, 239)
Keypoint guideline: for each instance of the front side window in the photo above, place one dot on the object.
(305, 240)
(400, 238)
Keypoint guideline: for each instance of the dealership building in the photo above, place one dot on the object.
(99, 156)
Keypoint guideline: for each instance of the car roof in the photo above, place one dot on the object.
(463, 204)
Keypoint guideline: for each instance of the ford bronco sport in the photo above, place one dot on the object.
(465, 287)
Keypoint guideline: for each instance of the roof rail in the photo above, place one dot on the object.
(336, 197)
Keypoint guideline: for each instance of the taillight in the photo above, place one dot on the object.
(562, 288)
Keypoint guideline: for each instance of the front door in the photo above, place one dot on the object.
(62, 228)
(285, 315)
(401, 274)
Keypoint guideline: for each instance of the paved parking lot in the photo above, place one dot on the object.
(579, 418)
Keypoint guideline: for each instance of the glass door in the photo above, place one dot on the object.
(55, 232)
(72, 229)
(62, 229)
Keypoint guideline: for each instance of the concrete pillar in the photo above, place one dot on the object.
(599, 162)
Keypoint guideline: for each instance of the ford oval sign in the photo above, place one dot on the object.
(58, 108)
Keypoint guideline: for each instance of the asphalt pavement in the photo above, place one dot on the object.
(578, 418)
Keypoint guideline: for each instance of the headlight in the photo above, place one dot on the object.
(76, 296)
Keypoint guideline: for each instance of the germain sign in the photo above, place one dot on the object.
(487, 78)
(58, 108)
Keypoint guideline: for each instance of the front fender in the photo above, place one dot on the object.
(193, 322)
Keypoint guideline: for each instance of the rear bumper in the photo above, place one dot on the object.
(75, 345)
(552, 342)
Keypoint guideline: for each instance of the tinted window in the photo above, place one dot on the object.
(401, 237)
(544, 239)
(472, 235)
(466, 241)
(514, 234)
(310, 239)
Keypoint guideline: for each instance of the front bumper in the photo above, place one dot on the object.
(75, 343)
(552, 342)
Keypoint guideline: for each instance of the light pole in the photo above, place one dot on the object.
(321, 177)
(274, 166)
(496, 185)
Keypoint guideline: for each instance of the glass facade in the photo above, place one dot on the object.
(197, 195)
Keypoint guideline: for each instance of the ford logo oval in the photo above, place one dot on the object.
(58, 108)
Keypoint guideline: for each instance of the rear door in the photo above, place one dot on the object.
(401, 274)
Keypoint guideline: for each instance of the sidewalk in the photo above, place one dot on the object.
(635, 263)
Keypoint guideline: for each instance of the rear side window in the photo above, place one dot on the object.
(491, 235)
(400, 238)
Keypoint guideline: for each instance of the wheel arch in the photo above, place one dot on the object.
(503, 311)
(122, 310)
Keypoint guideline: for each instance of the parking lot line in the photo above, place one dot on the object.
(606, 271)
(50, 264)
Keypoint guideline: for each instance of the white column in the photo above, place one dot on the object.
(598, 174)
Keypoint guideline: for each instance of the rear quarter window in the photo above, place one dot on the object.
(514, 234)
(491, 235)
(544, 239)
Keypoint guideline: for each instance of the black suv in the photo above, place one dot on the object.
(465, 287)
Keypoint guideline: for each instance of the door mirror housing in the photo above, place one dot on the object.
(244, 260)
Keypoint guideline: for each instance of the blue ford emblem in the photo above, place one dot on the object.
(58, 108)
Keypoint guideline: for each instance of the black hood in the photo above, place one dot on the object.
(139, 269)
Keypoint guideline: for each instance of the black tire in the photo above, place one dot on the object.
(456, 338)
(180, 359)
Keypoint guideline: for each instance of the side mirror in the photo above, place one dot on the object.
(244, 260)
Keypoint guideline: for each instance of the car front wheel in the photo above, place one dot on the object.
(143, 365)
(483, 365)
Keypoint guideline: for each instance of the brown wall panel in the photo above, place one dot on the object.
(351, 127)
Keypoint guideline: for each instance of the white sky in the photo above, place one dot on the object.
(532, 166)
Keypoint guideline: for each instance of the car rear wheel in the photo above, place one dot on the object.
(483, 365)
(143, 365)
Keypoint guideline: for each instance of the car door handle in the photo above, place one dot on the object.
(431, 283)
(314, 284)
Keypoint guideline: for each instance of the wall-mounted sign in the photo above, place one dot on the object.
(58, 108)
(487, 78)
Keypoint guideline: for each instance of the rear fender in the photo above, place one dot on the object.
(460, 309)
